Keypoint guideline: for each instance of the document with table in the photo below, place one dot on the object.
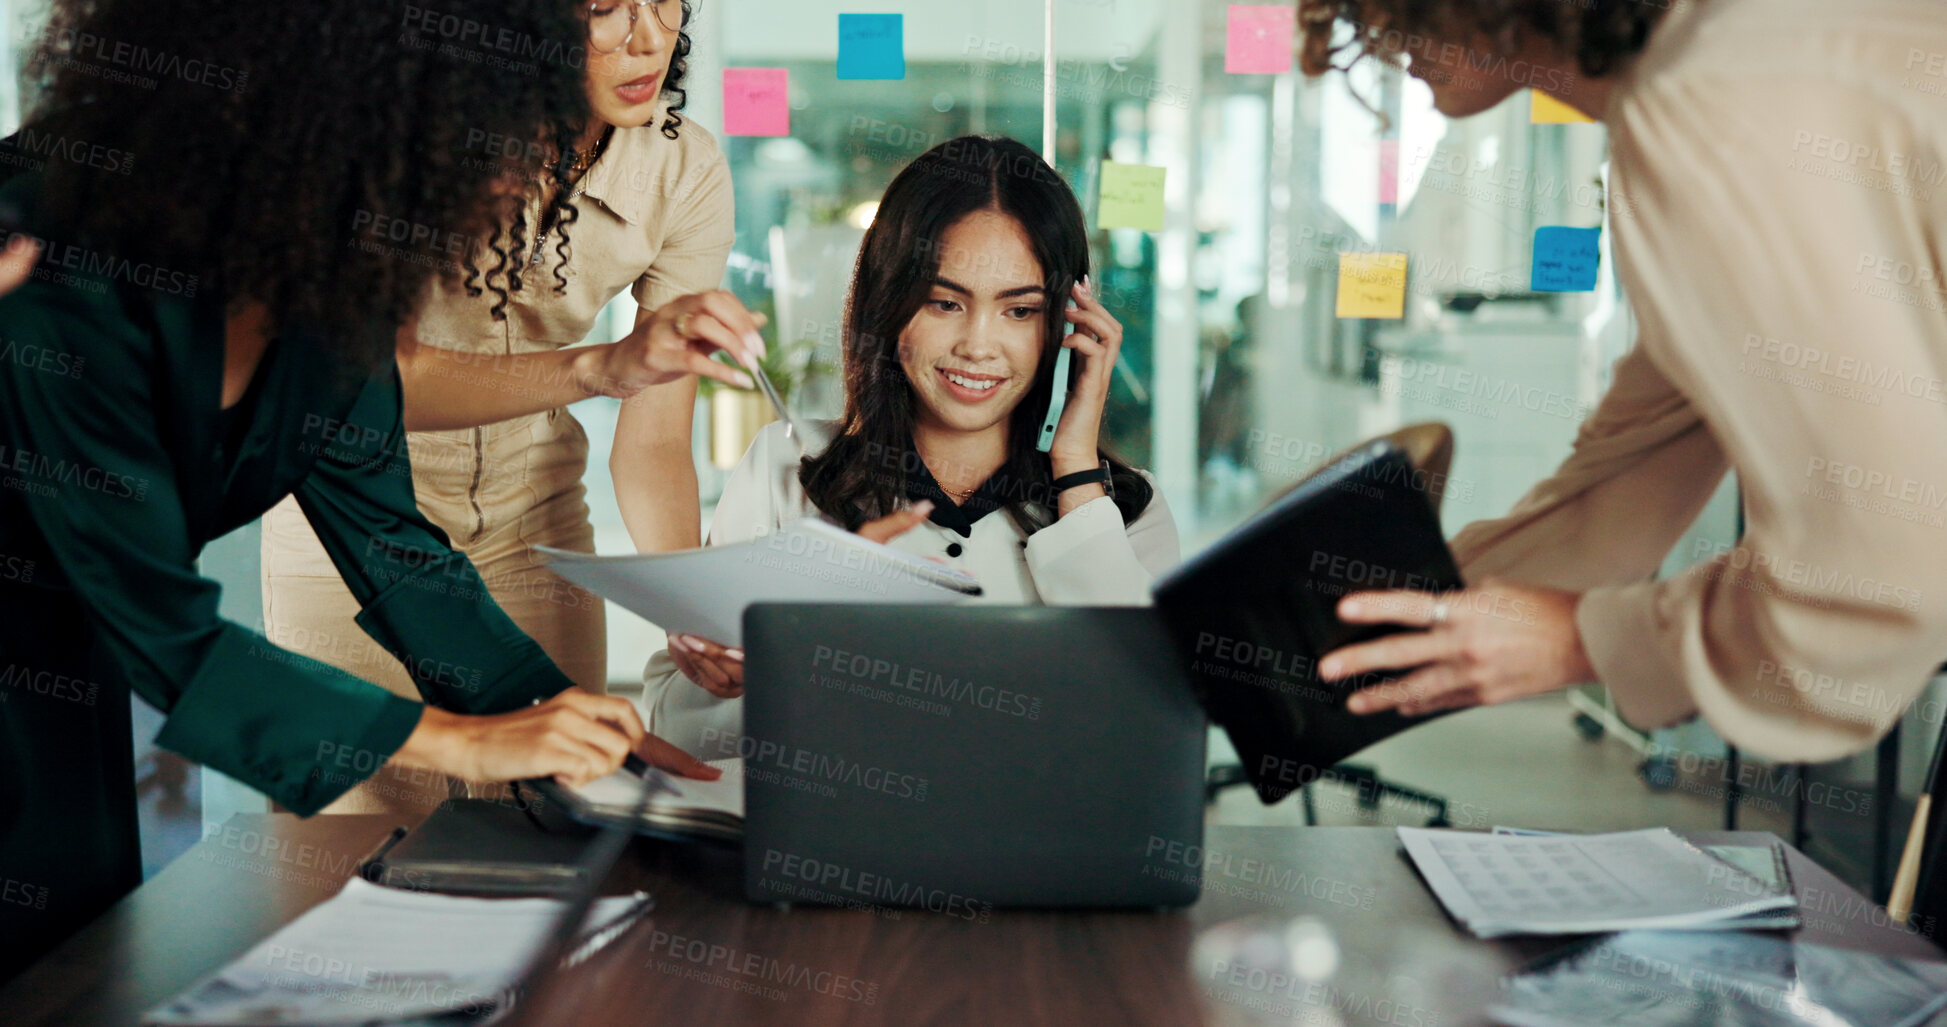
(1497, 885)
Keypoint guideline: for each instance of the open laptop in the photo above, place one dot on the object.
(961, 759)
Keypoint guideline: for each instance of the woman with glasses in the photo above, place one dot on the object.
(634, 198)
(211, 335)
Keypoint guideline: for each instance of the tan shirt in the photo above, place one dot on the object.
(1780, 215)
(655, 216)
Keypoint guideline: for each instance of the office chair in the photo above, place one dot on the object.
(1431, 447)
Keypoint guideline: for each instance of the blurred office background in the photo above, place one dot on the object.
(1237, 377)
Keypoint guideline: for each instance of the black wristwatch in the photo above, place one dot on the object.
(1098, 476)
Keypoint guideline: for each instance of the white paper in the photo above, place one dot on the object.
(621, 790)
(705, 591)
(374, 953)
(1572, 884)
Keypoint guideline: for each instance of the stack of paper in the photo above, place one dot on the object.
(680, 805)
(1497, 885)
(372, 954)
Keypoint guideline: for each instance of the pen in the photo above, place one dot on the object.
(600, 937)
(791, 428)
(369, 867)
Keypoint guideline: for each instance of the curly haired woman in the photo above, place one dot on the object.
(233, 344)
(637, 200)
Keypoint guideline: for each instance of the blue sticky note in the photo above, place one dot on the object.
(1566, 259)
(871, 46)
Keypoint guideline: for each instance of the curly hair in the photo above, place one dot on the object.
(563, 213)
(322, 159)
(1601, 34)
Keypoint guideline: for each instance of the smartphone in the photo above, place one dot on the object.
(1058, 403)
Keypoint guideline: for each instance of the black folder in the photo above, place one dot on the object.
(1254, 614)
(486, 846)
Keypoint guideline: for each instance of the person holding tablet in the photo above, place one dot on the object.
(1778, 232)
(950, 364)
(229, 349)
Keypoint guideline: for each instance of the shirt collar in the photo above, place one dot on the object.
(989, 497)
(617, 180)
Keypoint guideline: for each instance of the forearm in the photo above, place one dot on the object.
(448, 390)
(656, 489)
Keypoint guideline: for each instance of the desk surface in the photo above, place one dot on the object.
(707, 958)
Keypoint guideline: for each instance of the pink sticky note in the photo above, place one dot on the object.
(1389, 171)
(1260, 39)
(756, 102)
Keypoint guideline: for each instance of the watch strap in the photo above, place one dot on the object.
(1093, 476)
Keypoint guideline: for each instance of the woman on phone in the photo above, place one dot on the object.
(228, 349)
(633, 198)
(949, 376)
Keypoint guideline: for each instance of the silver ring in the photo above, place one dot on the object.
(1440, 612)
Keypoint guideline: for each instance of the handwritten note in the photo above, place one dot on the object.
(1372, 285)
(1132, 196)
(756, 102)
(871, 46)
(1260, 39)
(1566, 259)
(1546, 110)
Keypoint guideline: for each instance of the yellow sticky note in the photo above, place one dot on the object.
(1546, 110)
(1372, 285)
(1132, 196)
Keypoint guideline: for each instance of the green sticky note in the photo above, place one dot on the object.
(1132, 196)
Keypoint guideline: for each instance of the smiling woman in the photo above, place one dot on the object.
(966, 282)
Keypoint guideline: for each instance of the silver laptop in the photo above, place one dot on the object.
(961, 759)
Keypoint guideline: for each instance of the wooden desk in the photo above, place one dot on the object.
(707, 958)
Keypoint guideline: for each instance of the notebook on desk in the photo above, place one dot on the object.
(678, 807)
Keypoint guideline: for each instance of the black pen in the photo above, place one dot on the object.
(369, 867)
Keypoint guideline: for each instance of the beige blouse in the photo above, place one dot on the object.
(650, 202)
(1780, 215)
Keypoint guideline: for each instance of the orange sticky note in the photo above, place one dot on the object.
(1546, 110)
(1372, 285)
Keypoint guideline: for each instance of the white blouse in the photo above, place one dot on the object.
(1088, 558)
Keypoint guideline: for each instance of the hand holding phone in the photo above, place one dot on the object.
(1097, 336)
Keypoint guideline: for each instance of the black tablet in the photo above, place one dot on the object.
(1254, 614)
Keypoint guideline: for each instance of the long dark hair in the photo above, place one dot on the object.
(861, 475)
(259, 145)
